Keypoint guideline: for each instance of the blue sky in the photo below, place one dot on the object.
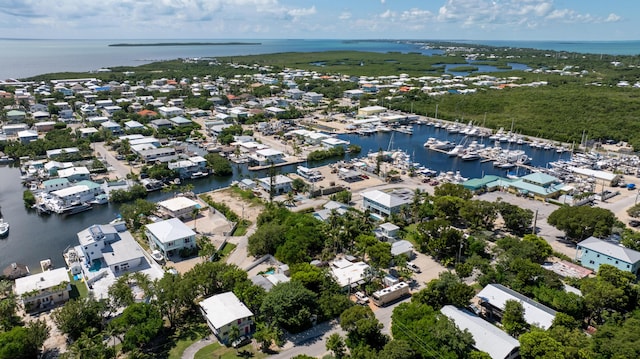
(330, 19)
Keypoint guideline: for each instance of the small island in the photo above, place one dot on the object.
(184, 44)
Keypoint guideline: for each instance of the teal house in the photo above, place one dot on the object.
(594, 252)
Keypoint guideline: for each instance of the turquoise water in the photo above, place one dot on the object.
(96, 265)
(270, 271)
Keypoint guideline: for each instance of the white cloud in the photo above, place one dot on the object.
(613, 18)
(302, 12)
(345, 16)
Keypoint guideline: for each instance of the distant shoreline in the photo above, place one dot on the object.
(183, 44)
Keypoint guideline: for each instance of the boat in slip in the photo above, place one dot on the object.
(430, 142)
(4, 228)
(470, 156)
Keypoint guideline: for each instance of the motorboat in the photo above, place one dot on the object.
(157, 256)
(456, 151)
(430, 142)
(4, 228)
(470, 156)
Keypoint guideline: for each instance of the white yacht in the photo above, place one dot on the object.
(430, 142)
(4, 227)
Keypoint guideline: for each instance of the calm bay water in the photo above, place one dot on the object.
(33, 238)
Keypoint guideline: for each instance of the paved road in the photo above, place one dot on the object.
(191, 350)
(120, 168)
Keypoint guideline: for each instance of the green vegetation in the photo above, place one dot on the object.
(28, 198)
(241, 228)
(320, 155)
(220, 165)
(221, 207)
(137, 191)
(581, 222)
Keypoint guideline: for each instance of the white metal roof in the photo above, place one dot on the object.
(386, 199)
(41, 281)
(170, 230)
(178, 203)
(534, 313)
(224, 308)
(488, 337)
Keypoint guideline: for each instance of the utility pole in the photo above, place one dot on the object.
(535, 222)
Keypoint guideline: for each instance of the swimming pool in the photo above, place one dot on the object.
(96, 265)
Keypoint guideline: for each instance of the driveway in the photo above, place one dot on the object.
(121, 169)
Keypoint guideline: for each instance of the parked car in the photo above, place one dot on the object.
(412, 266)
(240, 342)
(361, 298)
(634, 223)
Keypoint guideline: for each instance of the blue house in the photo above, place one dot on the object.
(594, 252)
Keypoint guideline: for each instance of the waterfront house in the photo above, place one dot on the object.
(42, 290)
(594, 252)
(281, 184)
(110, 246)
(27, 136)
(83, 191)
(170, 236)
(52, 167)
(493, 299)
(178, 207)
(267, 156)
(486, 336)
(382, 203)
(332, 142)
(187, 167)
(55, 184)
(223, 312)
(74, 174)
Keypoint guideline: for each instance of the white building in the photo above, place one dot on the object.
(267, 156)
(44, 289)
(281, 184)
(494, 297)
(178, 207)
(111, 245)
(74, 174)
(349, 274)
(170, 236)
(487, 337)
(171, 111)
(224, 311)
(84, 191)
(333, 142)
(382, 203)
(312, 97)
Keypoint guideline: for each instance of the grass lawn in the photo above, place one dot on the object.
(185, 338)
(78, 288)
(228, 248)
(216, 350)
(241, 228)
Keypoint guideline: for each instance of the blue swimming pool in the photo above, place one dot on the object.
(95, 265)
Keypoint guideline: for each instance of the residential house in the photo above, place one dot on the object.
(133, 126)
(170, 111)
(267, 156)
(52, 154)
(103, 103)
(16, 116)
(594, 252)
(281, 184)
(27, 136)
(353, 94)
(74, 174)
(178, 207)
(371, 110)
(161, 123)
(387, 232)
(110, 110)
(225, 311)
(312, 97)
(44, 126)
(179, 121)
(382, 203)
(349, 274)
(13, 129)
(42, 290)
(494, 297)
(112, 245)
(187, 167)
(332, 142)
(294, 94)
(87, 131)
(96, 120)
(162, 154)
(328, 208)
(487, 337)
(88, 110)
(40, 116)
(112, 127)
(37, 107)
(55, 184)
(170, 236)
(83, 191)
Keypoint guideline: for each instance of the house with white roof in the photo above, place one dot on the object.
(83, 191)
(60, 151)
(387, 232)
(594, 252)
(281, 184)
(15, 128)
(44, 289)
(348, 274)
(44, 126)
(110, 246)
(27, 136)
(487, 337)
(170, 236)
(223, 312)
(312, 97)
(371, 110)
(133, 125)
(111, 126)
(87, 131)
(332, 142)
(267, 156)
(189, 166)
(178, 207)
(493, 299)
(179, 121)
(74, 174)
(383, 203)
(170, 111)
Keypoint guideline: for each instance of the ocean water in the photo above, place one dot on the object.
(21, 58)
(24, 58)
